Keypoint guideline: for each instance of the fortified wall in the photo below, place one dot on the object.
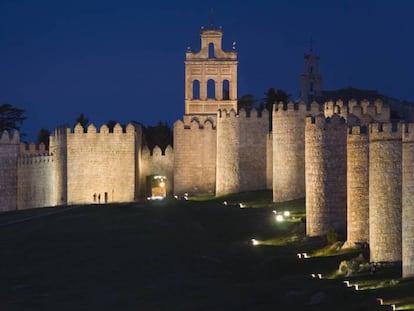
(195, 145)
(9, 151)
(288, 133)
(241, 150)
(101, 165)
(385, 190)
(325, 165)
(408, 200)
(357, 185)
(36, 171)
(158, 163)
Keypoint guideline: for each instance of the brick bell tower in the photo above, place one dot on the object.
(210, 76)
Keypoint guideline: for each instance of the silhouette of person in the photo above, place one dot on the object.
(99, 198)
(94, 197)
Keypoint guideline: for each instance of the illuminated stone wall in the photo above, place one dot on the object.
(269, 161)
(9, 150)
(357, 186)
(157, 163)
(101, 163)
(408, 200)
(358, 113)
(195, 141)
(385, 188)
(288, 130)
(325, 164)
(58, 148)
(241, 151)
(36, 178)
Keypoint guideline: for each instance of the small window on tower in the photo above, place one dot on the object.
(211, 89)
(211, 50)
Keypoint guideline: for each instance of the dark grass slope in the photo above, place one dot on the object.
(172, 255)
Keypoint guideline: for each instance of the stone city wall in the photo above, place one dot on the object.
(325, 163)
(385, 187)
(101, 165)
(357, 186)
(408, 200)
(159, 163)
(241, 151)
(9, 150)
(288, 131)
(36, 178)
(195, 147)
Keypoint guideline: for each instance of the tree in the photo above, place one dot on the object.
(43, 137)
(273, 96)
(160, 135)
(10, 117)
(246, 102)
(111, 124)
(83, 120)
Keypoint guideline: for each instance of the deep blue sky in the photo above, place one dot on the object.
(124, 60)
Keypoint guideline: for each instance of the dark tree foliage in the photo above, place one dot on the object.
(160, 135)
(10, 117)
(111, 124)
(83, 121)
(43, 137)
(246, 102)
(273, 96)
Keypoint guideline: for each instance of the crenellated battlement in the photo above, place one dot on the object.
(358, 130)
(286, 108)
(321, 121)
(29, 159)
(242, 114)
(12, 137)
(338, 107)
(357, 134)
(363, 112)
(385, 131)
(408, 132)
(376, 110)
(157, 151)
(289, 107)
(103, 130)
(195, 123)
(33, 149)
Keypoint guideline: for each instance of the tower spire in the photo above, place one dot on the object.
(311, 45)
(211, 18)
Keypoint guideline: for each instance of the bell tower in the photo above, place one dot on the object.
(210, 76)
(311, 79)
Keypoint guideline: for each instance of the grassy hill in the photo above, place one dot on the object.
(180, 255)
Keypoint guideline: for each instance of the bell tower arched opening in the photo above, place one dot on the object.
(196, 89)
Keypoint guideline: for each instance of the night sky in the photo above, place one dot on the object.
(124, 60)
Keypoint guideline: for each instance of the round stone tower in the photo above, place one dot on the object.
(228, 146)
(325, 174)
(385, 180)
(288, 131)
(408, 200)
(357, 186)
